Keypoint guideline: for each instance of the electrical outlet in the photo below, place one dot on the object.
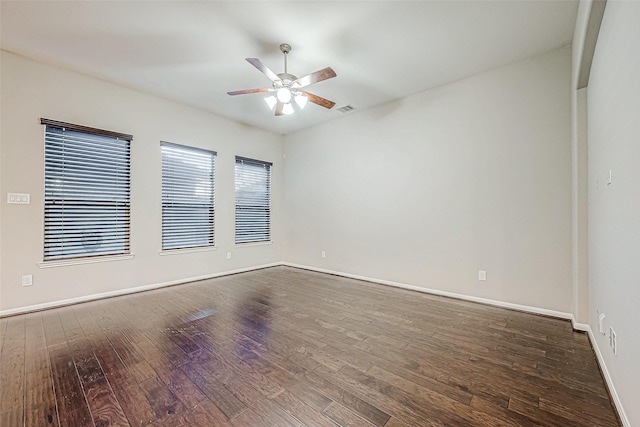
(27, 280)
(323, 254)
(611, 337)
(482, 275)
(228, 255)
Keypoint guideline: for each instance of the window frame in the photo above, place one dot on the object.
(85, 203)
(181, 193)
(267, 225)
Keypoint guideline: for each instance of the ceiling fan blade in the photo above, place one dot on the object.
(264, 69)
(318, 100)
(242, 92)
(318, 76)
(279, 107)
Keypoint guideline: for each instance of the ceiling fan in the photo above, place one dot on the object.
(288, 87)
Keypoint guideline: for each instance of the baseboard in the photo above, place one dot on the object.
(92, 297)
(60, 303)
(582, 327)
(495, 303)
(605, 373)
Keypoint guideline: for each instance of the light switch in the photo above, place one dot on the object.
(18, 198)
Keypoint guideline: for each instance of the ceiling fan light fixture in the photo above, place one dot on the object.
(301, 100)
(287, 109)
(271, 101)
(284, 95)
(287, 87)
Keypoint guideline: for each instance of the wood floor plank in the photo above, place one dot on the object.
(288, 347)
(54, 332)
(354, 403)
(228, 403)
(73, 409)
(302, 412)
(534, 413)
(129, 395)
(421, 404)
(206, 413)
(344, 417)
(167, 407)
(103, 404)
(588, 414)
(125, 388)
(176, 381)
(12, 370)
(40, 405)
(3, 331)
(12, 417)
(130, 356)
(394, 422)
(272, 414)
(248, 419)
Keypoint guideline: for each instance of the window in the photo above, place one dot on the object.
(86, 191)
(253, 201)
(187, 197)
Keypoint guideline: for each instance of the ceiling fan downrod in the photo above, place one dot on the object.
(285, 49)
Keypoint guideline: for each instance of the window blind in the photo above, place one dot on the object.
(253, 200)
(87, 193)
(187, 197)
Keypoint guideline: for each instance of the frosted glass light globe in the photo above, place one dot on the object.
(284, 95)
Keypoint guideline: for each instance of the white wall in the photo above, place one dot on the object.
(424, 191)
(614, 210)
(430, 189)
(31, 90)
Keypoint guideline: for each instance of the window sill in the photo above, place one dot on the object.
(187, 250)
(249, 244)
(80, 261)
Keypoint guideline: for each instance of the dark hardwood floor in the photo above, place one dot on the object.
(288, 347)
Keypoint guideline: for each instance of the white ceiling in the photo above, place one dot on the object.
(193, 51)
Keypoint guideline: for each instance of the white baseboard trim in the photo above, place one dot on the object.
(59, 303)
(582, 327)
(92, 297)
(607, 377)
(496, 303)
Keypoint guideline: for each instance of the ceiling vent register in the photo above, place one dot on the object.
(346, 109)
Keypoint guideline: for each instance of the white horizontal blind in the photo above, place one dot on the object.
(253, 200)
(187, 197)
(87, 194)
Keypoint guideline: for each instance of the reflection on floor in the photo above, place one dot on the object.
(283, 346)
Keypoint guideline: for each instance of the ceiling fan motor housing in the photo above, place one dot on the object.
(287, 78)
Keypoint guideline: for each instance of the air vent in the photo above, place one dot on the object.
(346, 109)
